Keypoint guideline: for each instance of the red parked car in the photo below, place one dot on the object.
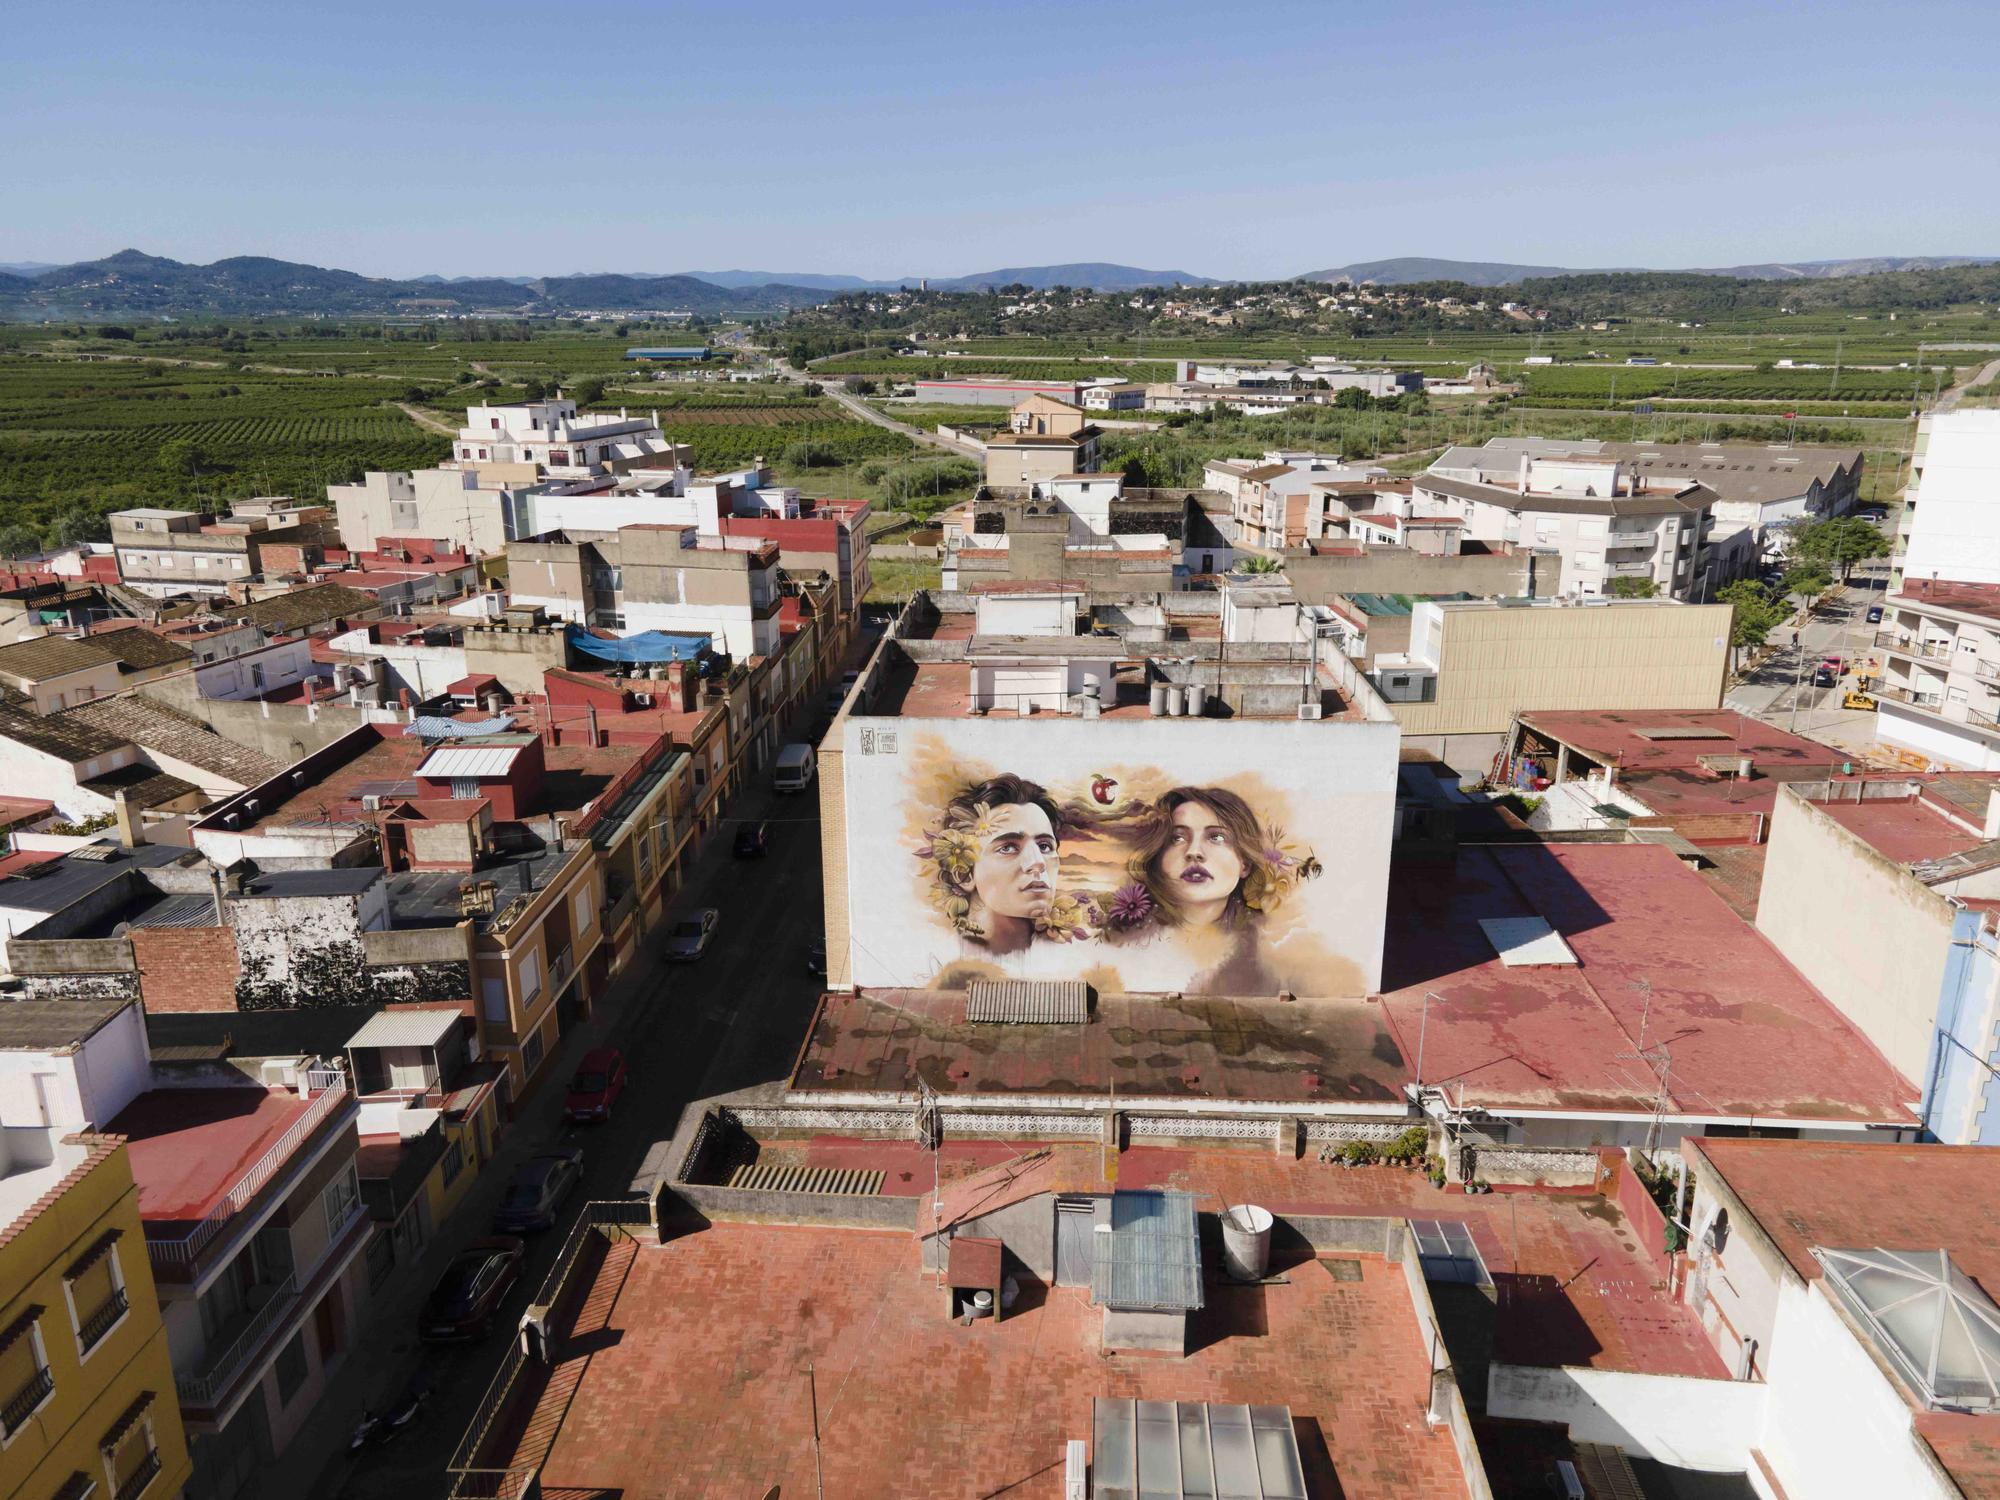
(599, 1080)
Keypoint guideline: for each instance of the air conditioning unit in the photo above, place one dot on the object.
(372, 802)
(1312, 710)
(644, 700)
(278, 1072)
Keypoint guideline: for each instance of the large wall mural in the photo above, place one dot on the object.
(1225, 858)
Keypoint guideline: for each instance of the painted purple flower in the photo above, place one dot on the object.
(1131, 906)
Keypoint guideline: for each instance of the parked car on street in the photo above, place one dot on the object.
(816, 960)
(753, 839)
(688, 939)
(599, 1080)
(537, 1189)
(1874, 614)
(469, 1293)
(1824, 676)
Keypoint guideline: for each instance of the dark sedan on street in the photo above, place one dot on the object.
(537, 1189)
(463, 1303)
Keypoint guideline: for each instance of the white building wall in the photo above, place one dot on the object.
(736, 627)
(26, 772)
(1676, 1419)
(1834, 1422)
(1947, 743)
(1954, 528)
(80, 1090)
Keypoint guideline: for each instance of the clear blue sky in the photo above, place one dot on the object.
(1259, 139)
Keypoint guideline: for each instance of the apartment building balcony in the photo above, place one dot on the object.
(25, 1402)
(1903, 645)
(240, 1352)
(1934, 702)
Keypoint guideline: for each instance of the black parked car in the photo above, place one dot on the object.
(816, 960)
(537, 1190)
(466, 1297)
(753, 840)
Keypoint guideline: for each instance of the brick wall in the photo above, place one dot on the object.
(186, 968)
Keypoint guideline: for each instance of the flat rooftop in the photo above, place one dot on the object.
(943, 690)
(573, 775)
(1573, 1285)
(1908, 830)
(1335, 1051)
(1982, 599)
(683, 1373)
(1843, 1194)
(189, 1147)
(1748, 1037)
(1660, 757)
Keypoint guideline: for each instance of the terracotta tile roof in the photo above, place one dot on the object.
(301, 609)
(50, 656)
(137, 648)
(166, 731)
(65, 738)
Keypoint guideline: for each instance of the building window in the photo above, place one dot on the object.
(454, 1163)
(25, 1378)
(531, 976)
(291, 1368)
(531, 1052)
(95, 1287)
(339, 1199)
(131, 1458)
(493, 998)
(583, 909)
(465, 788)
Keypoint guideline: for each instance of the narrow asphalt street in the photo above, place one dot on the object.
(1780, 690)
(733, 1018)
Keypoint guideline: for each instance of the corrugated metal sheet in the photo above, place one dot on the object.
(405, 1028)
(480, 760)
(178, 911)
(1151, 1258)
(1019, 1002)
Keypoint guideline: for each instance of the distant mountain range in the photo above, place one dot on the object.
(133, 284)
(1410, 268)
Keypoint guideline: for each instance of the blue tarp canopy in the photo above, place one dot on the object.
(648, 645)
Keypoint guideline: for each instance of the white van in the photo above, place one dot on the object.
(794, 770)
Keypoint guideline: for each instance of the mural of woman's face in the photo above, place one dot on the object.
(1015, 872)
(1201, 863)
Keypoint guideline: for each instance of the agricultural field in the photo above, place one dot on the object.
(102, 437)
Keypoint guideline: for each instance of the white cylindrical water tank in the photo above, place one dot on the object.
(1176, 700)
(1159, 699)
(1246, 1241)
(1197, 700)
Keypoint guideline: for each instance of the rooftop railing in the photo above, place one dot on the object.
(184, 1250)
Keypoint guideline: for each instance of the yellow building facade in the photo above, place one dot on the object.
(87, 1394)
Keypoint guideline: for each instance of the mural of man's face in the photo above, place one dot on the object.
(1201, 862)
(1015, 873)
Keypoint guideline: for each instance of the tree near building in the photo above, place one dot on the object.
(1634, 588)
(1757, 614)
(1808, 580)
(1839, 544)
